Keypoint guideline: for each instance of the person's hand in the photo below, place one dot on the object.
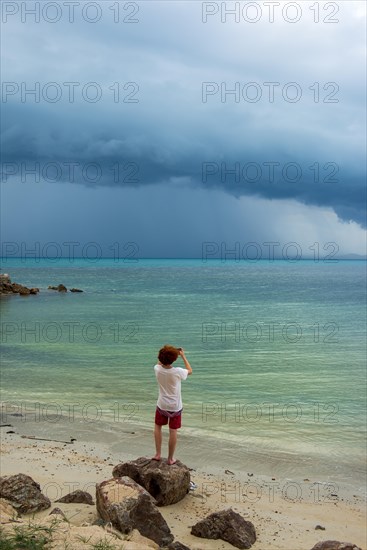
(181, 352)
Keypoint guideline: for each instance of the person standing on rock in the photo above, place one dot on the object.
(169, 404)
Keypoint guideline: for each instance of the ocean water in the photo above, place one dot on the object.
(278, 350)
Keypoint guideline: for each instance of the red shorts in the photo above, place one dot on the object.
(162, 420)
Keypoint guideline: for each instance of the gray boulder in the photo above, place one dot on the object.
(226, 525)
(129, 506)
(167, 484)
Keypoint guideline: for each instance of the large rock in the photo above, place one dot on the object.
(167, 484)
(226, 525)
(335, 545)
(129, 506)
(23, 493)
(79, 497)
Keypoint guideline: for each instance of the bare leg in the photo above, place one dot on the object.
(172, 446)
(158, 441)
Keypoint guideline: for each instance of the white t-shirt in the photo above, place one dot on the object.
(169, 381)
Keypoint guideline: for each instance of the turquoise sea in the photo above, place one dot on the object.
(278, 349)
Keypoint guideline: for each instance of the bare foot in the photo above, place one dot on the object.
(172, 461)
(156, 457)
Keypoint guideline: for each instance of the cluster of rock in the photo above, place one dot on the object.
(7, 287)
(62, 288)
(129, 503)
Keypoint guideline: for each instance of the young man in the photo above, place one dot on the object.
(169, 404)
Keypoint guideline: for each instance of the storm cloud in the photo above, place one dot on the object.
(270, 110)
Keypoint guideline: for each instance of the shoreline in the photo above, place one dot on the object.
(119, 435)
(284, 510)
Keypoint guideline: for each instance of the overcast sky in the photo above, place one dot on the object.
(184, 125)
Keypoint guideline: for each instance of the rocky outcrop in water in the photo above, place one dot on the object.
(7, 287)
(59, 288)
(62, 288)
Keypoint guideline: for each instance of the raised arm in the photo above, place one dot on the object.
(187, 364)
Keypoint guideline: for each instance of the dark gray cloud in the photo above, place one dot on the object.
(147, 154)
(170, 136)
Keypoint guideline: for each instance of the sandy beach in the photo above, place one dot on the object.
(285, 512)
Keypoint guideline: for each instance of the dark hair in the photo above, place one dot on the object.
(168, 354)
